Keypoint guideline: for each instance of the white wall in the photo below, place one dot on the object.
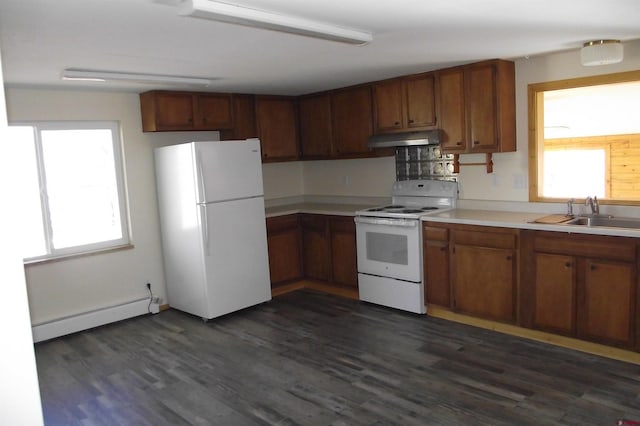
(67, 287)
(359, 177)
(19, 393)
(283, 180)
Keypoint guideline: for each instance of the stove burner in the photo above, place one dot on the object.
(395, 208)
(392, 208)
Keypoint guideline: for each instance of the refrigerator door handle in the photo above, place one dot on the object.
(205, 228)
(202, 192)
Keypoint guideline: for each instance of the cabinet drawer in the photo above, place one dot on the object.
(594, 246)
(309, 221)
(435, 234)
(486, 239)
(342, 224)
(281, 223)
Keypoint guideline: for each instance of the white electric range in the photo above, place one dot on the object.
(389, 243)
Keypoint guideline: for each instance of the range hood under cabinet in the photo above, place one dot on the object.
(392, 140)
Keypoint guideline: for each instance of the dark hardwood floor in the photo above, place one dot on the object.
(312, 359)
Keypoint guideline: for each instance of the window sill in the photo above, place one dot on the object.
(77, 255)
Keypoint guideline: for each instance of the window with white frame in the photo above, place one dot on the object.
(71, 181)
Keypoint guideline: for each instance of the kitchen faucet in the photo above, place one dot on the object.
(593, 203)
(570, 206)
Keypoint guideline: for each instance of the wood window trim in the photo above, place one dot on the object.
(535, 104)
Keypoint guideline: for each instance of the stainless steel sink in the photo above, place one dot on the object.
(608, 221)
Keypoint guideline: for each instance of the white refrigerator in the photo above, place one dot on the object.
(212, 218)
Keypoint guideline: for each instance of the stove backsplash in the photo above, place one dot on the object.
(424, 162)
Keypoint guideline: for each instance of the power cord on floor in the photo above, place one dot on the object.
(150, 297)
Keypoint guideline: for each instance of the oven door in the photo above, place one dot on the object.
(389, 247)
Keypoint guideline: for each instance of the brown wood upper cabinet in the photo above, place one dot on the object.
(337, 124)
(185, 111)
(477, 107)
(277, 124)
(316, 135)
(351, 121)
(273, 119)
(244, 111)
(403, 104)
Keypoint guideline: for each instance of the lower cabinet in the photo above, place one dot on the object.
(606, 302)
(484, 272)
(583, 286)
(329, 247)
(471, 269)
(285, 249)
(578, 285)
(437, 288)
(342, 231)
(554, 303)
(316, 247)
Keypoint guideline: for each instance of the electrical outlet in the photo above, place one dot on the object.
(519, 181)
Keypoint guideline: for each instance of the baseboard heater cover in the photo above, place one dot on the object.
(72, 324)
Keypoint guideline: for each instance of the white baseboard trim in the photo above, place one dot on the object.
(72, 324)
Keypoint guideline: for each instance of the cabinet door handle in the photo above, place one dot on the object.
(592, 267)
(476, 142)
(459, 143)
(410, 121)
(443, 249)
(508, 257)
(397, 123)
(568, 265)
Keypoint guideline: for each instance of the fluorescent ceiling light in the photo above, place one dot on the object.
(89, 75)
(234, 14)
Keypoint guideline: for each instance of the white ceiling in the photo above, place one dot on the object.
(40, 38)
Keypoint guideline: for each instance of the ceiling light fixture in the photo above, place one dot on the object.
(601, 52)
(102, 76)
(234, 14)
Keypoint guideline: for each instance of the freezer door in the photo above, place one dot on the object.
(236, 257)
(228, 170)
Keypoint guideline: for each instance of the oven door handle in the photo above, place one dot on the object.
(404, 223)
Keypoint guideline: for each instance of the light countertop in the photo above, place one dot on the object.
(467, 216)
(521, 220)
(316, 208)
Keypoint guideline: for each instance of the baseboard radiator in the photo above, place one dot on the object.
(72, 324)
